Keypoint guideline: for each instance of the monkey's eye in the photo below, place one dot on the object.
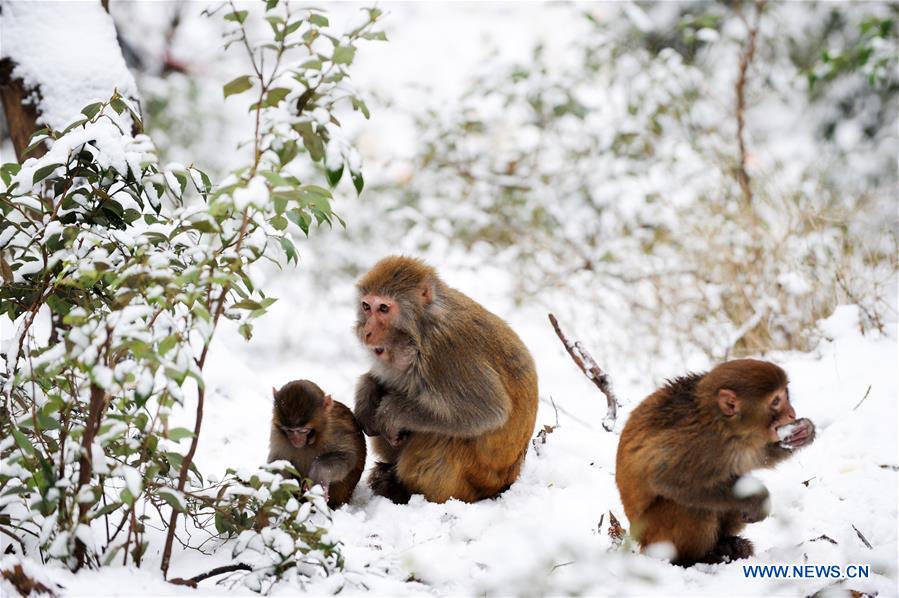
(775, 402)
(384, 308)
(366, 306)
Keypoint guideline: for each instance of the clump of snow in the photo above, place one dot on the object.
(784, 432)
(66, 51)
(748, 486)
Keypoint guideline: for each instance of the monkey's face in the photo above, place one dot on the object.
(780, 412)
(376, 324)
(301, 412)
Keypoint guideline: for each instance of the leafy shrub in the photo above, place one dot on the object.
(116, 272)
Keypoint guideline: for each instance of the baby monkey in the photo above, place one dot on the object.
(320, 437)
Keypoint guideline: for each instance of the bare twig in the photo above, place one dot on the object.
(561, 565)
(867, 392)
(746, 57)
(862, 537)
(824, 537)
(193, 581)
(587, 364)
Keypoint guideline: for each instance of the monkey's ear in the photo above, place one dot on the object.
(728, 402)
(328, 402)
(426, 293)
(274, 392)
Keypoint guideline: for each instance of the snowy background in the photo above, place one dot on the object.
(549, 534)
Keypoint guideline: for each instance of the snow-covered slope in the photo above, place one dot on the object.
(549, 534)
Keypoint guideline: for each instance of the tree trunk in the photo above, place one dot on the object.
(21, 118)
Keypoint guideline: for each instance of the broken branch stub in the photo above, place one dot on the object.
(587, 364)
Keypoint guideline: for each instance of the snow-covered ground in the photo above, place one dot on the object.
(549, 534)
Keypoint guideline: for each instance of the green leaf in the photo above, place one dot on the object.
(312, 63)
(91, 110)
(168, 343)
(170, 496)
(334, 175)
(270, 4)
(275, 96)
(43, 172)
(343, 55)
(375, 35)
(106, 510)
(22, 441)
(275, 179)
(289, 248)
(313, 142)
(177, 434)
(360, 105)
(278, 222)
(301, 219)
(238, 16)
(74, 125)
(317, 19)
(358, 182)
(293, 27)
(34, 144)
(204, 226)
(238, 85)
(287, 152)
(11, 169)
(248, 304)
(118, 105)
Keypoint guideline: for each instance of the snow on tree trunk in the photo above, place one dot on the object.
(51, 67)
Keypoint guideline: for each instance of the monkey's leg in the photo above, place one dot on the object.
(730, 546)
(693, 532)
(383, 482)
(431, 464)
(385, 451)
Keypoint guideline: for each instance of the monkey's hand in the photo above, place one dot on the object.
(369, 394)
(757, 506)
(396, 438)
(801, 433)
(387, 421)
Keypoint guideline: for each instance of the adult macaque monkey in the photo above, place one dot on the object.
(685, 447)
(452, 393)
(320, 437)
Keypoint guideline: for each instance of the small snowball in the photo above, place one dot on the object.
(748, 486)
(664, 551)
(784, 432)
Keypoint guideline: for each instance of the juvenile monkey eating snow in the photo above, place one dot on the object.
(685, 450)
(320, 437)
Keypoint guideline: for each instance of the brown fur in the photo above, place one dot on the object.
(679, 456)
(455, 391)
(336, 456)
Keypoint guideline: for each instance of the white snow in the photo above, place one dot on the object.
(748, 485)
(67, 50)
(784, 432)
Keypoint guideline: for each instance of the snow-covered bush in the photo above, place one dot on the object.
(281, 531)
(116, 271)
(649, 170)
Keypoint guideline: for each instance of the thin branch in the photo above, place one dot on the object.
(862, 537)
(193, 581)
(588, 365)
(746, 58)
(867, 392)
